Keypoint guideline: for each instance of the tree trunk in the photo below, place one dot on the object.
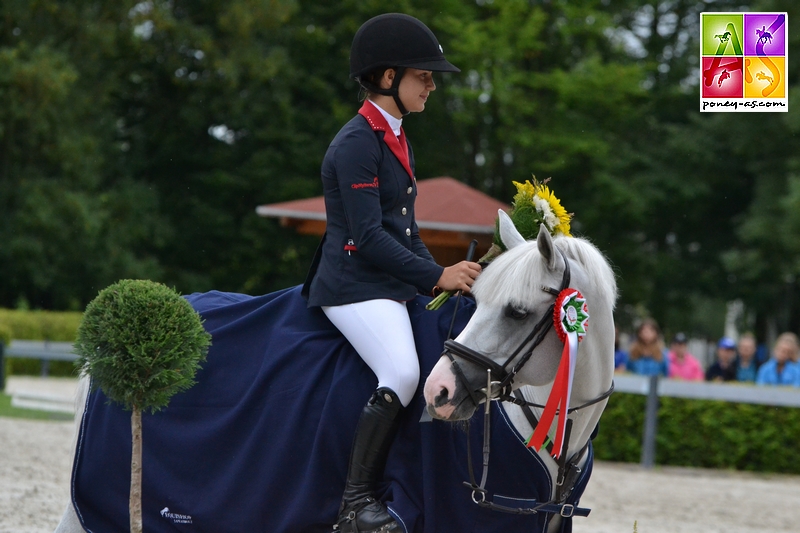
(135, 502)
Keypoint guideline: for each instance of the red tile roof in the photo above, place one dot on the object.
(442, 203)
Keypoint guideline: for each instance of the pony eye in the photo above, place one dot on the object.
(515, 313)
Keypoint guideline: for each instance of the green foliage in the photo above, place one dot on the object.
(5, 333)
(137, 139)
(39, 325)
(141, 343)
(702, 433)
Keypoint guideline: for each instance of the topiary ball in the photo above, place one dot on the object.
(141, 343)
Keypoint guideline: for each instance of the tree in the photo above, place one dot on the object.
(141, 343)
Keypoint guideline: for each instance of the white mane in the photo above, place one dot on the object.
(518, 273)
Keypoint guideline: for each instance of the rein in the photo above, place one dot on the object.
(568, 471)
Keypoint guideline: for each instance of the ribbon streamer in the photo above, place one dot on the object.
(571, 319)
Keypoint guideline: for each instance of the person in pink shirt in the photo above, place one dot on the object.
(682, 364)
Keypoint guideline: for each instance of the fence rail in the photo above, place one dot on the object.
(653, 387)
(44, 351)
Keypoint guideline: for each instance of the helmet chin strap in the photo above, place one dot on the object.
(393, 91)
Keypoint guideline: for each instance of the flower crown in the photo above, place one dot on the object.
(535, 205)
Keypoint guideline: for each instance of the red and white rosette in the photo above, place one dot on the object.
(571, 320)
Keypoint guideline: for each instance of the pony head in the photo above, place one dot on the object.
(510, 331)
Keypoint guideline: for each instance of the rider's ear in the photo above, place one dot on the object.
(508, 231)
(545, 243)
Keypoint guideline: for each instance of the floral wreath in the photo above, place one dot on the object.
(534, 205)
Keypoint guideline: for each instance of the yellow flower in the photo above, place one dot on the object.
(526, 192)
(558, 210)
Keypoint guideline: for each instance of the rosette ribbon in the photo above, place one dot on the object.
(571, 320)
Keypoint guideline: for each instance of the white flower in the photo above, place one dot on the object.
(543, 207)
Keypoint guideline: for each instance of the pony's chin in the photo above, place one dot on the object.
(452, 413)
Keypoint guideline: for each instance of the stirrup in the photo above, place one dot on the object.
(347, 522)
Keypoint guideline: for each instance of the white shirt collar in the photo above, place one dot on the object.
(394, 123)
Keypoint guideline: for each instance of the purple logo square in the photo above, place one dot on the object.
(764, 34)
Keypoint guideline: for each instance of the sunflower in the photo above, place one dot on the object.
(536, 204)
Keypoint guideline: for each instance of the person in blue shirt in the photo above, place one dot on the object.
(371, 260)
(747, 364)
(648, 355)
(781, 368)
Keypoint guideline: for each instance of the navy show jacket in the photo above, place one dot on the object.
(371, 248)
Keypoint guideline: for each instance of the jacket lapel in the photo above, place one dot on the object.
(398, 147)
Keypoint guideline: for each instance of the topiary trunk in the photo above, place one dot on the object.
(135, 502)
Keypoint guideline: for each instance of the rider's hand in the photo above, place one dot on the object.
(459, 277)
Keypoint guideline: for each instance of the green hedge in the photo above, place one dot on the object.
(703, 433)
(40, 326)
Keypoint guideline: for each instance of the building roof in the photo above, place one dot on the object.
(442, 204)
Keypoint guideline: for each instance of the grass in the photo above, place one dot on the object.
(6, 410)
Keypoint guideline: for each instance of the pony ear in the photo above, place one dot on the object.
(508, 231)
(545, 243)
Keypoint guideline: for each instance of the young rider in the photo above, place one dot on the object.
(371, 259)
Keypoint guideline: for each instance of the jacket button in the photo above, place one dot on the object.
(404, 211)
(408, 232)
(409, 190)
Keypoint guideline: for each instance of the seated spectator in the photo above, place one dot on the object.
(648, 356)
(724, 368)
(682, 364)
(747, 364)
(781, 370)
(620, 355)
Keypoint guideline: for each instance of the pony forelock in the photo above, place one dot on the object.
(516, 275)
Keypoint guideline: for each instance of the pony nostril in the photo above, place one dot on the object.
(442, 398)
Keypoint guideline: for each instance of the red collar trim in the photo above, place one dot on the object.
(399, 147)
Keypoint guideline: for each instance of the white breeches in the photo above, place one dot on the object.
(380, 331)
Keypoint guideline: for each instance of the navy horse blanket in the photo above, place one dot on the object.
(261, 443)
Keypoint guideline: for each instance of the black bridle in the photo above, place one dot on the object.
(501, 389)
(505, 378)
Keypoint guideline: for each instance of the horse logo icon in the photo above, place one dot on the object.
(761, 76)
(723, 38)
(764, 35)
(723, 76)
(165, 511)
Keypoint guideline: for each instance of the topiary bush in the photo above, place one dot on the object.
(141, 343)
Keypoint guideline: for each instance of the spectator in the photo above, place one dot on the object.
(781, 370)
(620, 355)
(648, 356)
(747, 366)
(682, 364)
(724, 368)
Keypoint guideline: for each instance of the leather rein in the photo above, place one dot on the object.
(501, 389)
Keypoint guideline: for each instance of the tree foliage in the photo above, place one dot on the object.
(137, 139)
(141, 343)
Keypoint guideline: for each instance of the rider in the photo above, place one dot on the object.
(371, 259)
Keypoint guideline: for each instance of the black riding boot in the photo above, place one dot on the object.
(360, 511)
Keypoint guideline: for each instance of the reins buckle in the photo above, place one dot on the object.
(567, 510)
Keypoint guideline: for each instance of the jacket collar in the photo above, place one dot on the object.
(399, 147)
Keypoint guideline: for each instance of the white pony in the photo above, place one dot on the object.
(515, 289)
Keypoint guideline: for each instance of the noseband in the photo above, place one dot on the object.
(501, 388)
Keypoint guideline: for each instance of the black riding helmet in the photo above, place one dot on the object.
(397, 41)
